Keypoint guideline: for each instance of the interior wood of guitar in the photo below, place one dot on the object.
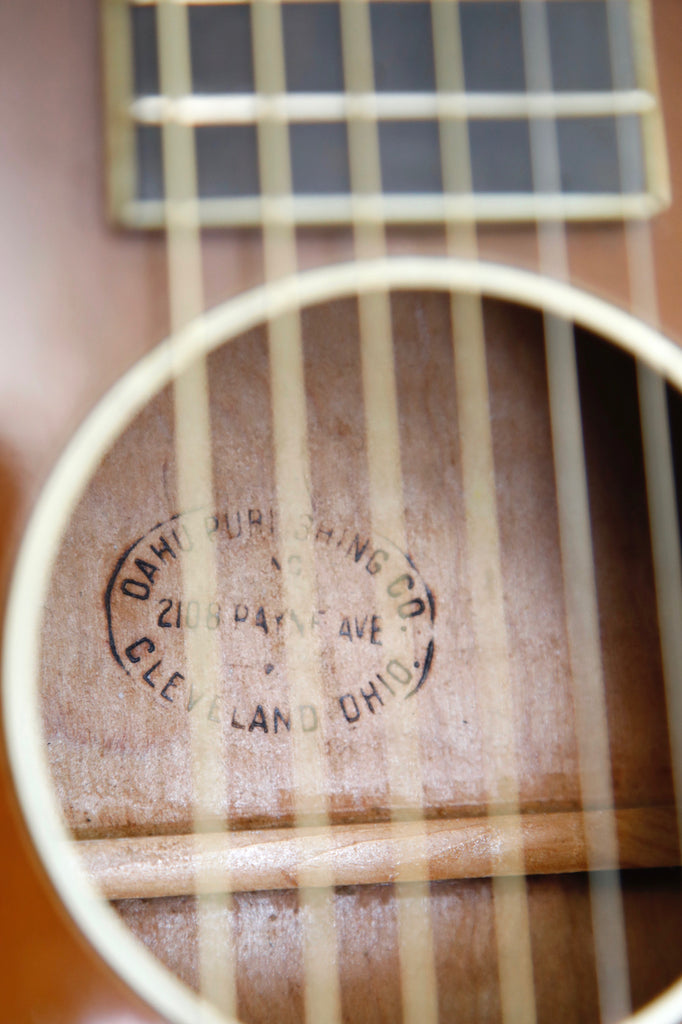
(118, 699)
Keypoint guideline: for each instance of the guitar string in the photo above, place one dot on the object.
(578, 565)
(658, 462)
(283, 248)
(193, 447)
(495, 700)
(401, 734)
(322, 996)
(285, 350)
(655, 427)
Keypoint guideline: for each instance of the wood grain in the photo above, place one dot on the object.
(267, 927)
(80, 304)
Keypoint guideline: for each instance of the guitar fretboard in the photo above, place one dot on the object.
(598, 104)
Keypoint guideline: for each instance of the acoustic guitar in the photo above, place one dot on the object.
(340, 663)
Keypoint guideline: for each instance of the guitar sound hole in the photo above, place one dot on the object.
(120, 697)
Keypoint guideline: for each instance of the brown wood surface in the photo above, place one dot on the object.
(253, 861)
(79, 303)
(268, 947)
(122, 728)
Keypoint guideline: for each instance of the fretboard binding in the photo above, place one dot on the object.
(248, 108)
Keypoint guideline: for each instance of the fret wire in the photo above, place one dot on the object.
(216, 954)
(190, 3)
(402, 735)
(401, 209)
(251, 107)
(580, 592)
(292, 472)
(494, 696)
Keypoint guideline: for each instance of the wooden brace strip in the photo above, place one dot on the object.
(249, 861)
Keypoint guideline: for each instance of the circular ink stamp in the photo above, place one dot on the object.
(371, 626)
